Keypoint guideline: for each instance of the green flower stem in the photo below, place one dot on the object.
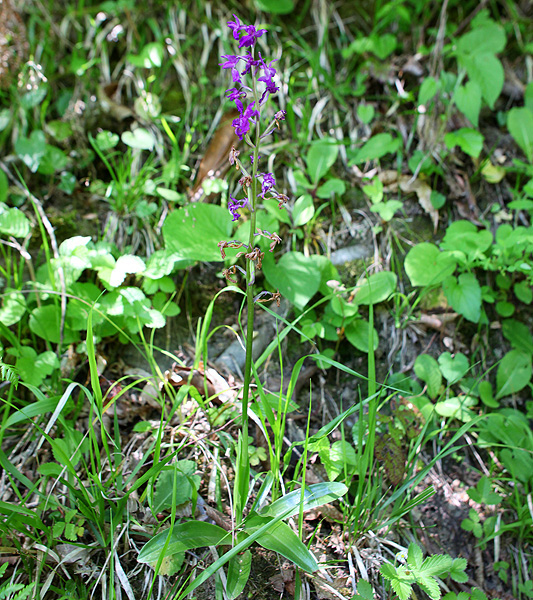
(243, 469)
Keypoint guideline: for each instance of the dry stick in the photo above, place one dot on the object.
(53, 242)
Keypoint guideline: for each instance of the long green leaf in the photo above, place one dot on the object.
(280, 538)
(185, 536)
(314, 495)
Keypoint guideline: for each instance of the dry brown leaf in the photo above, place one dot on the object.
(215, 161)
(106, 95)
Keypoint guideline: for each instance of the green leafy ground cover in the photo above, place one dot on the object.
(391, 449)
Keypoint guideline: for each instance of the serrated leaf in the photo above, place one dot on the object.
(415, 556)
(437, 565)
(457, 570)
(430, 586)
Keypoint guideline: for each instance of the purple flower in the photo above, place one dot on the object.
(235, 94)
(250, 62)
(231, 63)
(236, 27)
(234, 205)
(267, 183)
(251, 36)
(242, 123)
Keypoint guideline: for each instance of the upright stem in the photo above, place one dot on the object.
(243, 470)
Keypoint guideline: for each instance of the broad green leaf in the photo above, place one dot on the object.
(468, 100)
(334, 458)
(34, 368)
(365, 113)
(376, 147)
(59, 130)
(457, 407)
(382, 45)
(469, 140)
(426, 265)
(514, 373)
(303, 210)
(106, 140)
(13, 307)
(428, 89)
(45, 321)
(238, 573)
(522, 290)
(127, 264)
(282, 539)
(321, 157)
(357, 333)
(139, 138)
(185, 536)
(427, 369)
(194, 231)
(167, 482)
(487, 71)
(465, 237)
(376, 288)
(454, 367)
(315, 495)
(54, 159)
(296, 276)
(518, 334)
(330, 188)
(34, 97)
(464, 295)
(32, 149)
(488, 38)
(520, 125)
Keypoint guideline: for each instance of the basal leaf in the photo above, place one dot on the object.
(376, 288)
(426, 265)
(514, 373)
(296, 276)
(520, 125)
(194, 231)
(282, 539)
(454, 367)
(358, 332)
(321, 157)
(427, 369)
(464, 295)
(185, 536)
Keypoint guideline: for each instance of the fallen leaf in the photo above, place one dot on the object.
(215, 162)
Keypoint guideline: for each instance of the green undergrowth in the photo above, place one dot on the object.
(397, 113)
